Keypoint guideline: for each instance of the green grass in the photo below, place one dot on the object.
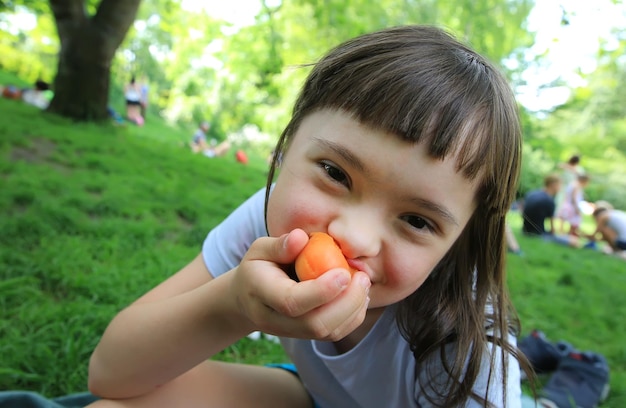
(93, 216)
(576, 295)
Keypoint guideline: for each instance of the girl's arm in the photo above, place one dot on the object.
(169, 330)
(191, 316)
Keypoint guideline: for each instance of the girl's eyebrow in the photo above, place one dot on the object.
(354, 161)
(436, 208)
(344, 153)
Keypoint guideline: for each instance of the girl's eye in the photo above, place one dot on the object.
(336, 174)
(417, 222)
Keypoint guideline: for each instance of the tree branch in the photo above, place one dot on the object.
(113, 19)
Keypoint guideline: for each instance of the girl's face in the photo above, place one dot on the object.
(393, 210)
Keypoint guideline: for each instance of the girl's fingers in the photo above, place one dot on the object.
(339, 318)
(281, 250)
(294, 299)
(321, 308)
(328, 307)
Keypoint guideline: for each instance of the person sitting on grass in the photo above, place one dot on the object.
(39, 95)
(539, 206)
(610, 228)
(199, 142)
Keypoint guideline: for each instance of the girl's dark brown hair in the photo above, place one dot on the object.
(421, 84)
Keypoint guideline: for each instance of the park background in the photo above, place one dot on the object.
(93, 214)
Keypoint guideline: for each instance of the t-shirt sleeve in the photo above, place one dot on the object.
(228, 242)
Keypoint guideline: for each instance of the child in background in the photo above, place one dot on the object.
(571, 169)
(132, 94)
(405, 147)
(199, 143)
(610, 228)
(569, 173)
(570, 211)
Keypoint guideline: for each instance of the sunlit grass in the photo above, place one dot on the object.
(93, 216)
(576, 295)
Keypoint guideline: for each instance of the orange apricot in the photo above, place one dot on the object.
(320, 255)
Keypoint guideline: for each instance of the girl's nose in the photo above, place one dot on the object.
(358, 233)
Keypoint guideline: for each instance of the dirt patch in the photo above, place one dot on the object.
(38, 152)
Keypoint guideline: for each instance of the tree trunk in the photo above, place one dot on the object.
(81, 86)
(88, 44)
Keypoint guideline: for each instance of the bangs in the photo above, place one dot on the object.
(425, 87)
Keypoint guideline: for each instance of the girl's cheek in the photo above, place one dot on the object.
(276, 225)
(408, 270)
(295, 216)
(284, 216)
(292, 207)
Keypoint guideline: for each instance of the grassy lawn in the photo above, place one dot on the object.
(93, 216)
(576, 295)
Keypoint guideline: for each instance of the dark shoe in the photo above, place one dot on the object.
(580, 381)
(543, 355)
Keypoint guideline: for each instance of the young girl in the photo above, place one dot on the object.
(569, 210)
(404, 146)
(132, 94)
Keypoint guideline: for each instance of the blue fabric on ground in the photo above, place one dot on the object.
(28, 399)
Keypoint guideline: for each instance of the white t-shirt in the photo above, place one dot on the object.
(132, 94)
(380, 371)
(617, 222)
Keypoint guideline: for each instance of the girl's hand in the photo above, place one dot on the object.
(326, 308)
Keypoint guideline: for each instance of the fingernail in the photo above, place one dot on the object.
(285, 241)
(343, 280)
(365, 282)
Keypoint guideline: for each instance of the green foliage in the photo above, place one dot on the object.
(592, 124)
(535, 167)
(24, 65)
(609, 187)
(36, 6)
(31, 55)
(200, 68)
